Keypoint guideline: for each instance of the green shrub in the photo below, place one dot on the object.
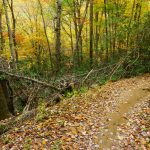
(41, 113)
(3, 128)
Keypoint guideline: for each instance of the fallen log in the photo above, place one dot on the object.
(31, 79)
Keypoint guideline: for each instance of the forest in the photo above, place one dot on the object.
(67, 67)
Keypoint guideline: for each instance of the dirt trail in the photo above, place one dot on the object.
(118, 117)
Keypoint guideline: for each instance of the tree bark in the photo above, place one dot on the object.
(129, 25)
(91, 33)
(58, 34)
(96, 35)
(31, 79)
(76, 51)
(11, 6)
(4, 101)
(80, 55)
(46, 35)
(11, 45)
(1, 33)
(106, 28)
(71, 37)
(79, 32)
(110, 31)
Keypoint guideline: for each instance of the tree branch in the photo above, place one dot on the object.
(31, 79)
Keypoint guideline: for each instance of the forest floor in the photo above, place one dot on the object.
(115, 116)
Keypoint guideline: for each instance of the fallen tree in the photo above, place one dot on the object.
(30, 91)
(31, 79)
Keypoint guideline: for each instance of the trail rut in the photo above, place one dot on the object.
(118, 117)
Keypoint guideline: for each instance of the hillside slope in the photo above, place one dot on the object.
(114, 116)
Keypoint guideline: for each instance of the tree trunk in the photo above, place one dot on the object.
(1, 32)
(57, 30)
(91, 33)
(11, 45)
(106, 28)
(46, 35)
(96, 36)
(76, 51)
(110, 31)
(129, 25)
(80, 55)
(80, 32)
(4, 110)
(11, 6)
(138, 18)
(71, 37)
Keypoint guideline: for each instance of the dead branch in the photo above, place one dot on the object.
(87, 76)
(31, 79)
(31, 97)
(116, 68)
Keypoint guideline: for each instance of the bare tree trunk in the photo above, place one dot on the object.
(91, 33)
(114, 33)
(129, 25)
(71, 37)
(46, 35)
(12, 52)
(110, 31)
(57, 30)
(115, 27)
(76, 51)
(139, 9)
(11, 6)
(1, 32)
(69, 34)
(80, 31)
(86, 37)
(80, 55)
(6, 104)
(100, 36)
(96, 35)
(138, 18)
(106, 28)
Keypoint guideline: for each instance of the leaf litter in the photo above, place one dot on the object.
(93, 120)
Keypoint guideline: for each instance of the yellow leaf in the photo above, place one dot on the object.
(73, 130)
(79, 117)
(143, 142)
(44, 142)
